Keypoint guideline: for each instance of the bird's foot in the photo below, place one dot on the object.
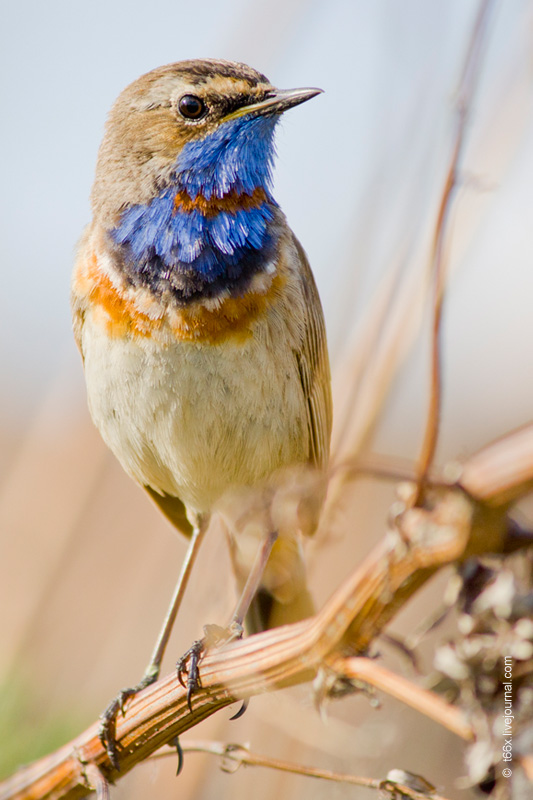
(214, 636)
(107, 729)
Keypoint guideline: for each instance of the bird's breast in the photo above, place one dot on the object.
(194, 401)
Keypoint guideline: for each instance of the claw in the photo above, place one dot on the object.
(241, 710)
(107, 729)
(214, 636)
(108, 720)
(192, 656)
(179, 751)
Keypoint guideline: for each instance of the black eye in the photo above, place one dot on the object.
(191, 107)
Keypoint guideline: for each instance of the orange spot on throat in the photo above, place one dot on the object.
(232, 202)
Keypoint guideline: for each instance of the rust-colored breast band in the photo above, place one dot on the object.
(121, 316)
(232, 202)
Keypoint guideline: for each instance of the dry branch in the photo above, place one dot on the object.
(292, 654)
(502, 472)
(419, 542)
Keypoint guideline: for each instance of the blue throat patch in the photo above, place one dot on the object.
(226, 230)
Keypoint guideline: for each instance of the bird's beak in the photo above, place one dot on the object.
(277, 101)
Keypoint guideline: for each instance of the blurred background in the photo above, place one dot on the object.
(87, 565)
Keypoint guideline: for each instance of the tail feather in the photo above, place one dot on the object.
(266, 612)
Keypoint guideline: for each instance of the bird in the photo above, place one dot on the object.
(201, 330)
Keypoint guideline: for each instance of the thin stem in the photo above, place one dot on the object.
(465, 93)
(240, 755)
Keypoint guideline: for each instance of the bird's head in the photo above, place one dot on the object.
(205, 126)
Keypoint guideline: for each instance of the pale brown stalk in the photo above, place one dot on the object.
(465, 95)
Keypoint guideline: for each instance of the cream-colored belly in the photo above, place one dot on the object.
(195, 420)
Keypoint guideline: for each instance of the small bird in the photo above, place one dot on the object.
(199, 322)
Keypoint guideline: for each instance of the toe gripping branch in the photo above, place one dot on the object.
(107, 729)
(108, 720)
(189, 663)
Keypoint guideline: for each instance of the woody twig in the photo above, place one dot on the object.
(451, 526)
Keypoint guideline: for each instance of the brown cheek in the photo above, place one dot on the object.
(166, 135)
(161, 134)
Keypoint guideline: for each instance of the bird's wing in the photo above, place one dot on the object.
(313, 366)
(173, 509)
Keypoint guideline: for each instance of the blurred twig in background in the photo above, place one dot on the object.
(465, 95)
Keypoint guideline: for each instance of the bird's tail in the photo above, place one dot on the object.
(266, 612)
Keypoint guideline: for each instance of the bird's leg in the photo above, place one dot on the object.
(152, 671)
(106, 732)
(252, 584)
(214, 635)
